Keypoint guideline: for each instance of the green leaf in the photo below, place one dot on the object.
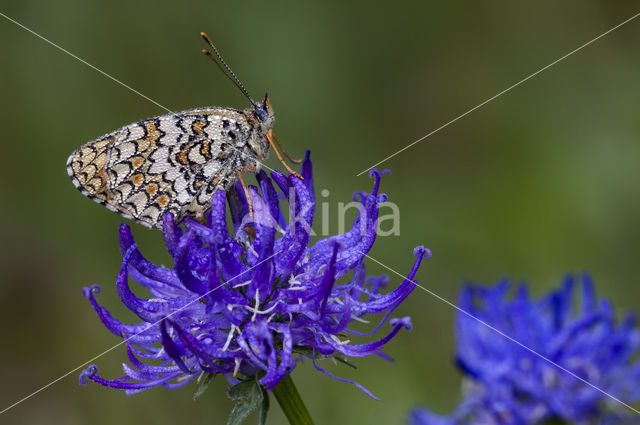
(344, 360)
(204, 384)
(241, 391)
(248, 396)
(264, 407)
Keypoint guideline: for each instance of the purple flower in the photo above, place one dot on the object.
(508, 384)
(252, 302)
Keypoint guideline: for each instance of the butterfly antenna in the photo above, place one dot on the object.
(226, 70)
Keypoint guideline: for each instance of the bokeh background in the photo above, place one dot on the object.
(540, 182)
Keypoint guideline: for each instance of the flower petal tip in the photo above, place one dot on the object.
(377, 173)
(168, 219)
(88, 374)
(402, 322)
(88, 291)
(124, 227)
(421, 251)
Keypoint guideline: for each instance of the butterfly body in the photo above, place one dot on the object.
(172, 163)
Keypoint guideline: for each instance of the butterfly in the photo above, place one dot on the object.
(175, 162)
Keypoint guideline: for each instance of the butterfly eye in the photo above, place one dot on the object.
(261, 113)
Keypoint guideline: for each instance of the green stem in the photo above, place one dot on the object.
(291, 403)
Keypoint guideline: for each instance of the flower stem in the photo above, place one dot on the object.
(291, 403)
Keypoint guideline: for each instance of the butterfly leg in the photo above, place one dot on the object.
(244, 186)
(271, 137)
(295, 161)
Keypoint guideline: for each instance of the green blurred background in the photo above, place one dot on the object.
(542, 181)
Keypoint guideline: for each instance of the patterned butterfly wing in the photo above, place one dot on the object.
(171, 163)
(87, 168)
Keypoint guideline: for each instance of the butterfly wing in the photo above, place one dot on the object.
(86, 167)
(171, 163)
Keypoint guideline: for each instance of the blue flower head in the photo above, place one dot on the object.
(509, 384)
(249, 303)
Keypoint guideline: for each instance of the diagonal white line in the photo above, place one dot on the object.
(112, 78)
(532, 351)
(83, 61)
(132, 336)
(499, 94)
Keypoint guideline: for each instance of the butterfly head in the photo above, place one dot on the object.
(263, 111)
